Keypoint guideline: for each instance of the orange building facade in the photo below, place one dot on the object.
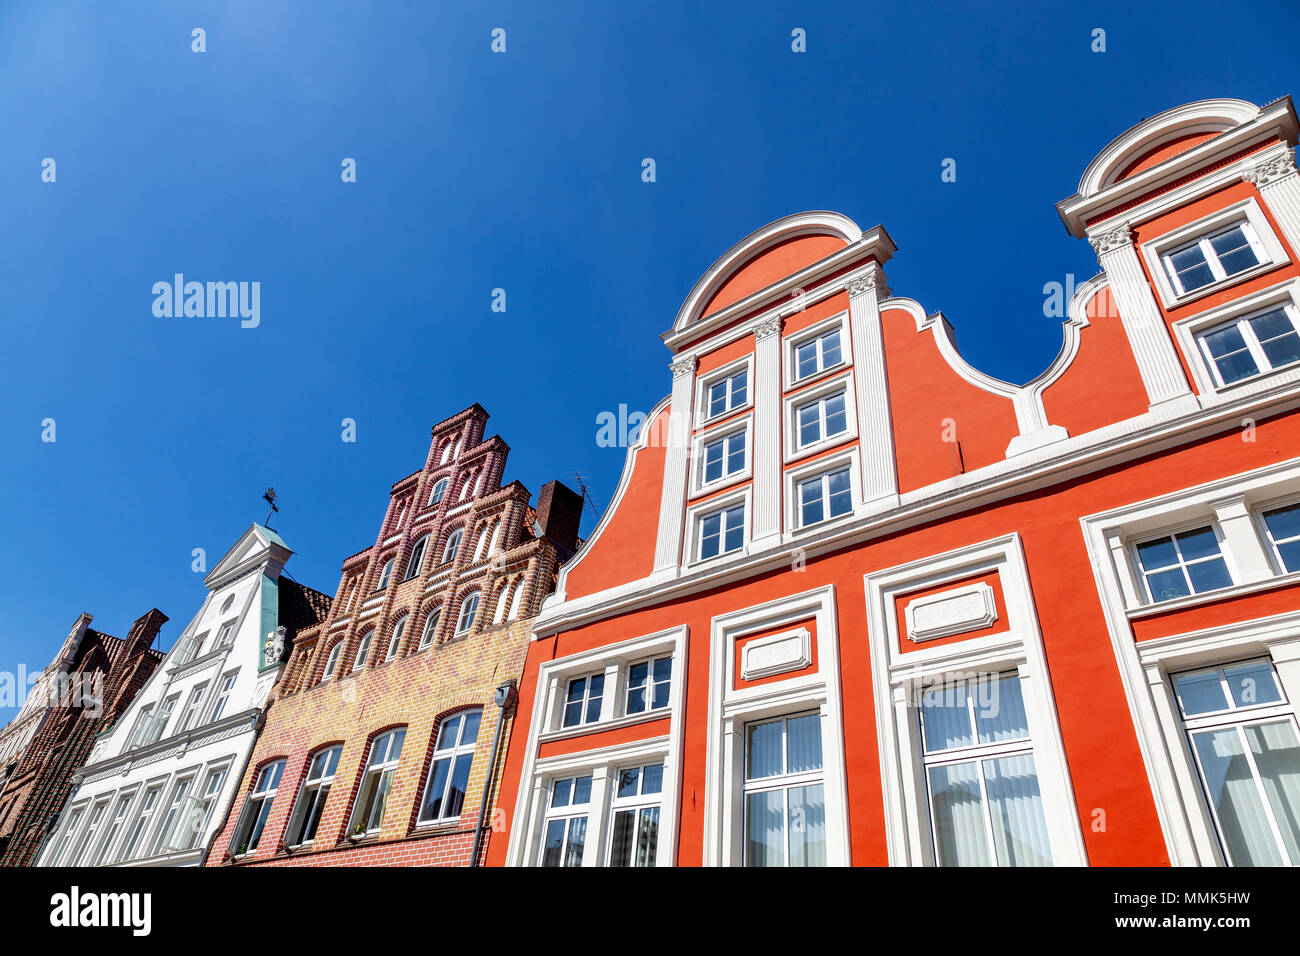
(856, 602)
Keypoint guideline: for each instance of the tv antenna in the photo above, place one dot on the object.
(586, 495)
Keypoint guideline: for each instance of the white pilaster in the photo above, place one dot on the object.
(1279, 185)
(767, 433)
(1238, 527)
(875, 424)
(1152, 347)
(672, 504)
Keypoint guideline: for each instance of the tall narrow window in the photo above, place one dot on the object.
(395, 641)
(88, 835)
(386, 574)
(368, 816)
(416, 564)
(728, 393)
(226, 634)
(363, 651)
(468, 611)
(824, 496)
(817, 355)
(171, 815)
(134, 840)
(453, 755)
(1283, 526)
(192, 648)
(223, 697)
(194, 822)
(637, 795)
(722, 532)
(1244, 735)
(648, 684)
(158, 723)
(566, 822)
(439, 490)
(985, 804)
(257, 808)
(332, 661)
(430, 627)
(582, 700)
(74, 820)
(1181, 564)
(311, 801)
(143, 724)
(820, 419)
(453, 545)
(114, 828)
(785, 807)
(192, 707)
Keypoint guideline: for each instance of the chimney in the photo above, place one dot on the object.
(559, 512)
(143, 632)
(122, 679)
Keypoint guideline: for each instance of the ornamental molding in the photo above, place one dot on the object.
(1112, 239)
(768, 327)
(684, 366)
(1263, 174)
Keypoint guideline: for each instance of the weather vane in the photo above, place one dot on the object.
(270, 497)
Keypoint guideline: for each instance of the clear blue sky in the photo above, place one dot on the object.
(476, 171)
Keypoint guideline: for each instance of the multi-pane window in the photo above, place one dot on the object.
(193, 645)
(74, 820)
(416, 564)
(1188, 562)
(453, 754)
(785, 806)
(1243, 733)
(722, 532)
(439, 489)
(817, 355)
(87, 835)
(143, 725)
(635, 807)
(386, 574)
(191, 824)
(1252, 344)
(257, 808)
(192, 707)
(134, 839)
(824, 496)
(226, 634)
(582, 700)
(728, 393)
(985, 805)
(1283, 525)
(363, 651)
(395, 641)
(311, 801)
(385, 753)
(648, 684)
(154, 727)
(1213, 257)
(332, 662)
(468, 611)
(452, 546)
(430, 627)
(820, 419)
(114, 828)
(724, 457)
(223, 696)
(566, 822)
(171, 815)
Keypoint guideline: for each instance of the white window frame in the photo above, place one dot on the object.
(819, 393)
(248, 816)
(222, 698)
(332, 661)
(1266, 534)
(193, 707)
(458, 748)
(309, 795)
(226, 634)
(1189, 332)
(362, 655)
(569, 813)
(636, 804)
(1264, 241)
(791, 343)
(706, 381)
(650, 685)
(431, 621)
(452, 546)
(415, 563)
(142, 820)
(696, 513)
(783, 782)
(200, 807)
(118, 826)
(395, 638)
(387, 766)
(97, 812)
(464, 627)
(1182, 565)
(1263, 364)
(742, 425)
(732, 705)
(386, 574)
(171, 811)
(898, 676)
(850, 458)
(439, 490)
(587, 696)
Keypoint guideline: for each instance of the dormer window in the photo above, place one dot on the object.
(1213, 257)
(1252, 344)
(439, 490)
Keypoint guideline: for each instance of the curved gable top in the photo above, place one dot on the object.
(716, 290)
(1186, 125)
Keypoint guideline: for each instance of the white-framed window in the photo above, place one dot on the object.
(332, 662)
(453, 756)
(784, 797)
(818, 350)
(143, 724)
(416, 564)
(635, 808)
(386, 574)
(565, 835)
(97, 813)
(1246, 746)
(311, 799)
(193, 647)
(363, 651)
(468, 611)
(1282, 526)
(115, 824)
(649, 685)
(824, 496)
(153, 730)
(226, 634)
(134, 841)
(193, 822)
(986, 808)
(583, 699)
(720, 532)
(821, 419)
(1182, 563)
(192, 706)
(171, 814)
(725, 456)
(725, 390)
(439, 490)
(257, 808)
(452, 546)
(1252, 344)
(74, 821)
(395, 641)
(430, 627)
(223, 696)
(385, 753)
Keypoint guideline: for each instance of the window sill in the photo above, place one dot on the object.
(1209, 597)
(797, 385)
(1179, 300)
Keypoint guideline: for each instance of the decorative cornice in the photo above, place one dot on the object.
(770, 326)
(1279, 167)
(1117, 238)
(684, 366)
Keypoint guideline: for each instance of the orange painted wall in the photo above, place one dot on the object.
(772, 265)
(992, 579)
(1166, 151)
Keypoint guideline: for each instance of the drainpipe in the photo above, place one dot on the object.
(504, 698)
